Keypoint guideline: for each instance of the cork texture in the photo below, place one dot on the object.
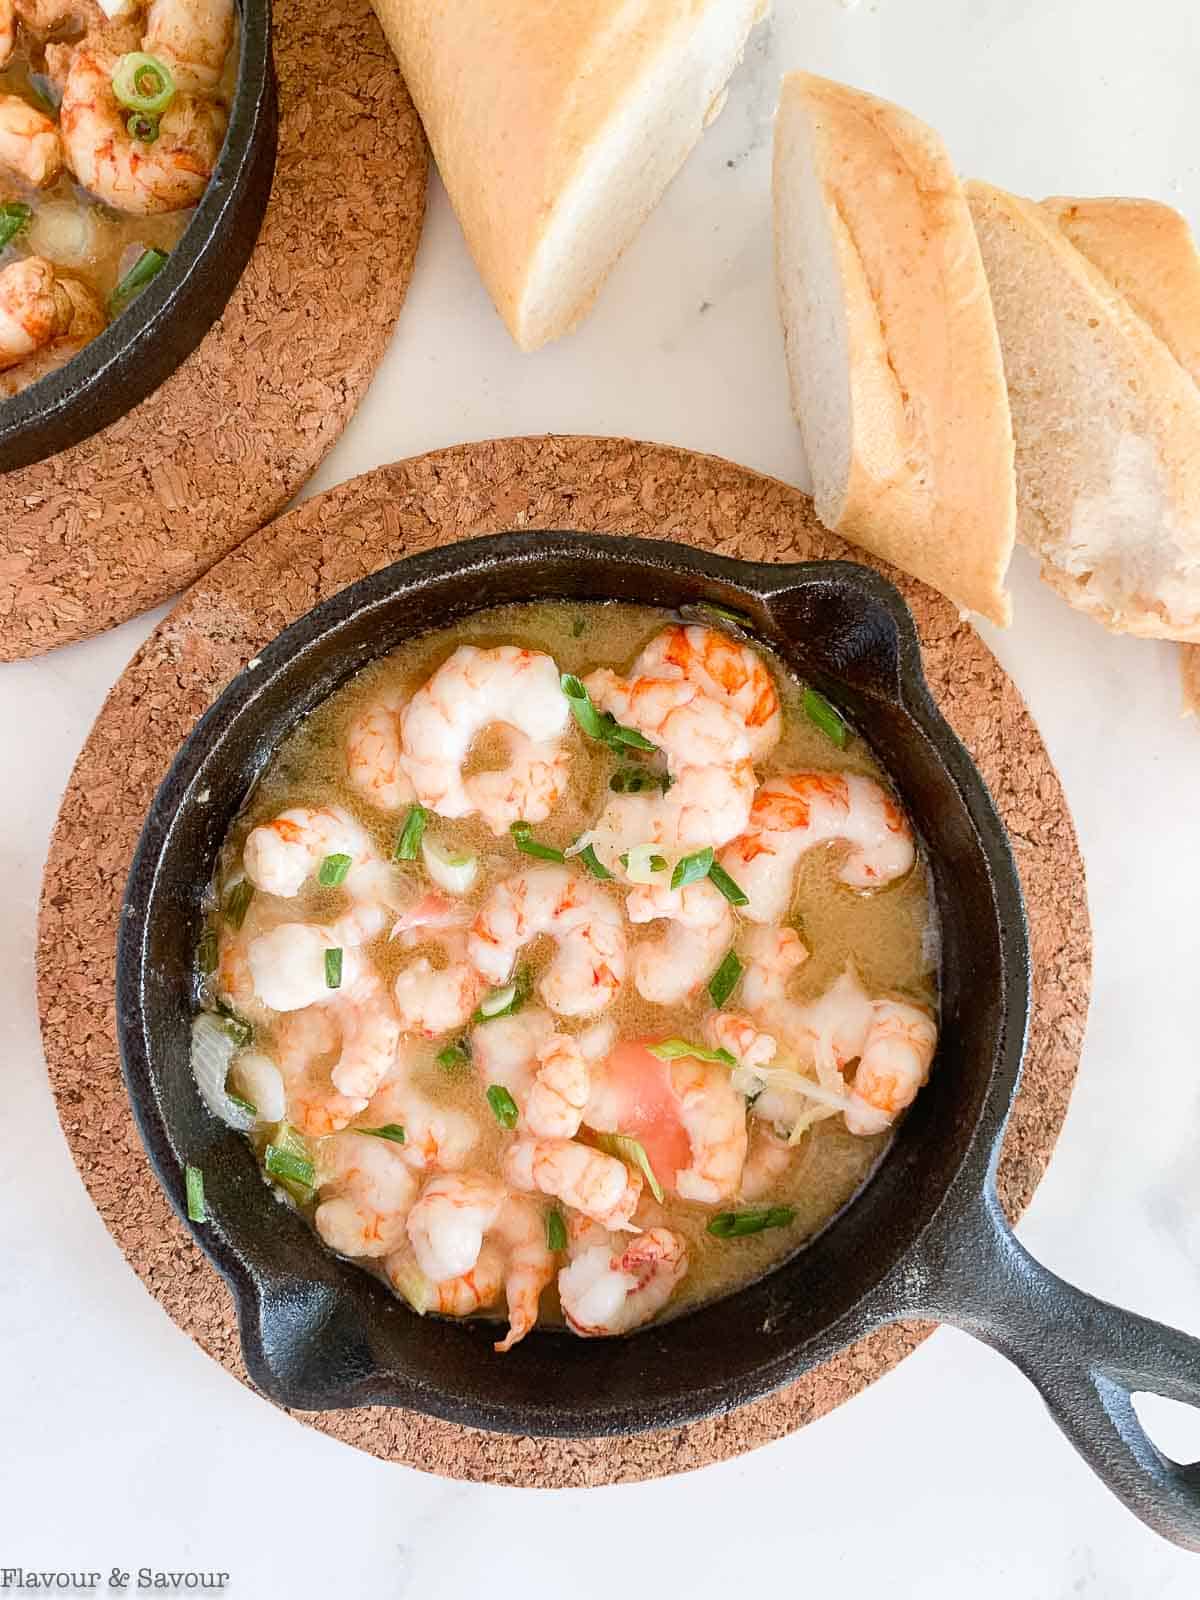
(597, 485)
(136, 513)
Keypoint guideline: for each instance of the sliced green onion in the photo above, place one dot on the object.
(629, 737)
(723, 615)
(238, 1029)
(237, 903)
(692, 868)
(147, 266)
(409, 842)
(824, 716)
(504, 1107)
(725, 979)
(523, 838)
(454, 1056)
(242, 1105)
(140, 125)
(333, 969)
(503, 1002)
(637, 780)
(556, 1231)
(206, 952)
(451, 869)
(739, 1224)
(643, 863)
(14, 215)
(683, 1049)
(333, 870)
(408, 1279)
(194, 1182)
(143, 83)
(285, 1163)
(390, 1130)
(593, 863)
(732, 891)
(601, 725)
(631, 1150)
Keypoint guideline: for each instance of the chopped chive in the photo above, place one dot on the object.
(390, 1130)
(409, 843)
(523, 839)
(725, 979)
(237, 903)
(238, 1029)
(194, 1182)
(286, 1164)
(593, 863)
(824, 716)
(333, 870)
(504, 1107)
(724, 615)
(556, 1231)
(683, 1049)
(242, 1105)
(147, 266)
(143, 83)
(601, 725)
(732, 891)
(631, 1150)
(629, 737)
(206, 952)
(636, 780)
(657, 863)
(333, 969)
(14, 216)
(504, 1002)
(140, 125)
(739, 1224)
(692, 868)
(454, 1056)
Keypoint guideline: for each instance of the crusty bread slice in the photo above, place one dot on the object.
(1107, 422)
(1191, 679)
(895, 365)
(557, 125)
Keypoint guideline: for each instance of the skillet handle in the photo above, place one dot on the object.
(1085, 1357)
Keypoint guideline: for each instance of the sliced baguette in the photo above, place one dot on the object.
(895, 365)
(1107, 419)
(557, 125)
(1190, 664)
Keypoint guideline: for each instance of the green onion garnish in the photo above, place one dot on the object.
(242, 1105)
(637, 780)
(238, 1029)
(725, 979)
(454, 1056)
(333, 871)
(503, 1002)
(408, 844)
(824, 716)
(556, 1231)
(523, 839)
(286, 1164)
(593, 863)
(14, 215)
(600, 725)
(142, 127)
(237, 903)
(682, 1049)
(652, 863)
(147, 266)
(738, 1224)
(628, 1149)
(390, 1130)
(143, 83)
(504, 1107)
(692, 868)
(732, 891)
(194, 1182)
(206, 952)
(333, 969)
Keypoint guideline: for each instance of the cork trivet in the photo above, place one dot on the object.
(137, 512)
(601, 485)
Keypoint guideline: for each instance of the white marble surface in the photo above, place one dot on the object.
(124, 1446)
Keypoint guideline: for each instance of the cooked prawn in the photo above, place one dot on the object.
(690, 728)
(792, 815)
(436, 1137)
(610, 1291)
(589, 966)
(365, 1192)
(512, 689)
(304, 1046)
(80, 318)
(29, 142)
(8, 31)
(447, 1224)
(374, 759)
(433, 1000)
(587, 1180)
(193, 38)
(143, 179)
(34, 309)
(747, 1044)
(730, 673)
(280, 856)
(896, 1059)
(678, 962)
(505, 1050)
(560, 1089)
(768, 1159)
(520, 1232)
(475, 1290)
(704, 806)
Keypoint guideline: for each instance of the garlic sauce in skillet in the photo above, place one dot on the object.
(573, 963)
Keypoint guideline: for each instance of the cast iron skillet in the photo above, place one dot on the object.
(161, 328)
(926, 1238)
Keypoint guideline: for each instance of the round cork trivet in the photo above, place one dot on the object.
(601, 485)
(135, 513)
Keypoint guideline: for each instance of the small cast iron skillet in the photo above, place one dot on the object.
(160, 329)
(926, 1238)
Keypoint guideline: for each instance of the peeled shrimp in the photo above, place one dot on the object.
(192, 37)
(433, 1000)
(280, 856)
(79, 318)
(676, 964)
(545, 1071)
(304, 1044)
(792, 815)
(610, 1291)
(29, 142)
(587, 1180)
(436, 1137)
(768, 1159)
(34, 309)
(447, 1224)
(771, 957)
(520, 1232)
(577, 913)
(704, 806)
(895, 1064)
(8, 31)
(143, 179)
(748, 1045)
(730, 673)
(505, 1050)
(513, 689)
(560, 1089)
(365, 1191)
(691, 729)
(474, 1290)
(374, 756)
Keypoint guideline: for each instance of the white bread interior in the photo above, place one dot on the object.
(557, 125)
(895, 365)
(1107, 422)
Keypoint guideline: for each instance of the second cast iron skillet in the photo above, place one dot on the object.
(926, 1238)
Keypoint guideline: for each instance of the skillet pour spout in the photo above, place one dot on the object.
(924, 1238)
